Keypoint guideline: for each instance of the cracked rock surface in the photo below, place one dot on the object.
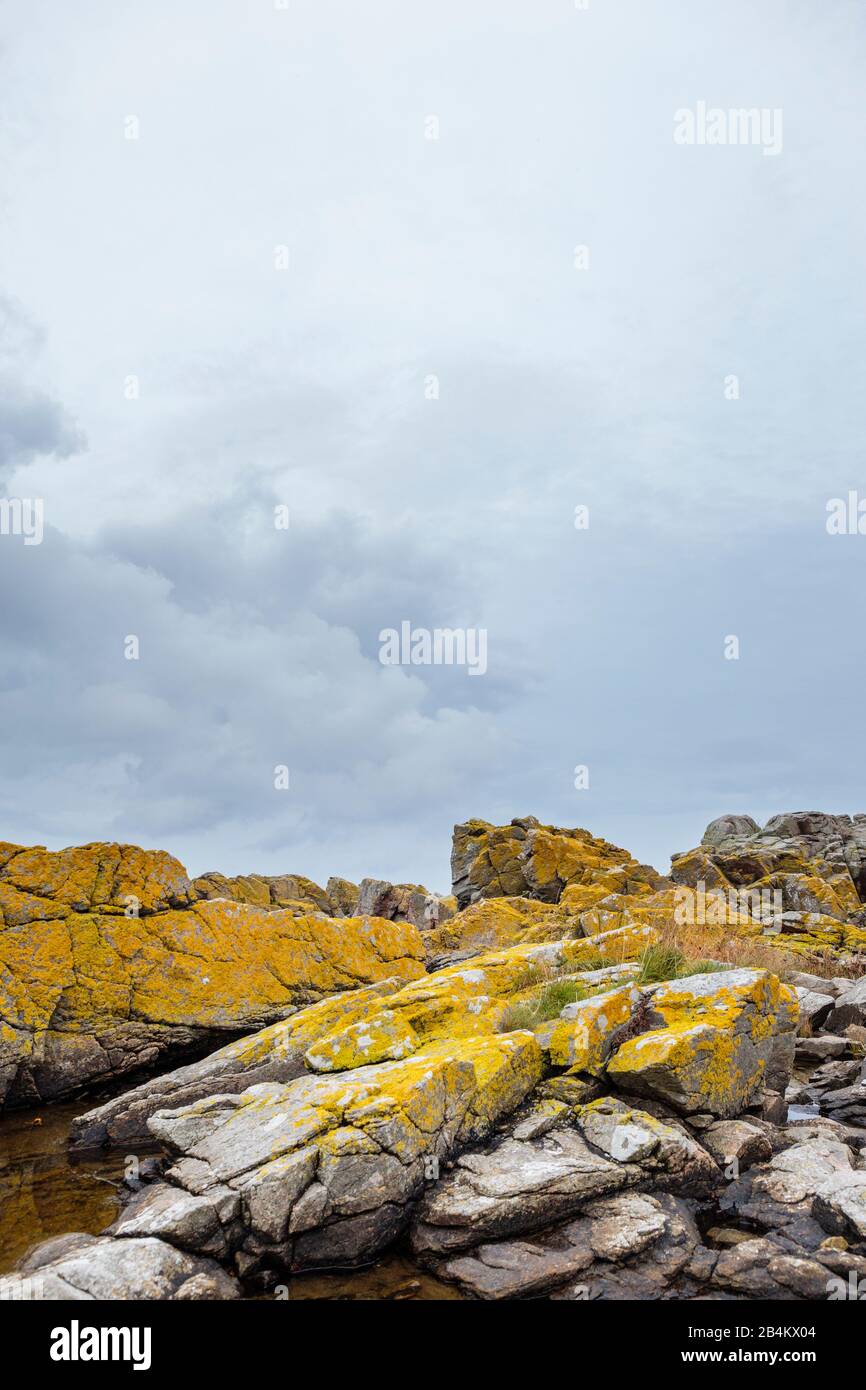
(535, 1114)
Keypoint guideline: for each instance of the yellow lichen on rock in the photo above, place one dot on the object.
(495, 923)
(725, 1035)
(528, 859)
(582, 1037)
(117, 976)
(385, 1037)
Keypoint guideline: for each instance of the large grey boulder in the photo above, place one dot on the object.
(769, 1268)
(778, 1196)
(514, 1187)
(80, 1267)
(849, 1008)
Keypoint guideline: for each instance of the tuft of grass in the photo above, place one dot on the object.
(660, 962)
(594, 960)
(547, 1002)
(665, 961)
(704, 967)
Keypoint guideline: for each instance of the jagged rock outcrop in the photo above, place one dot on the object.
(327, 1160)
(109, 963)
(530, 860)
(291, 892)
(541, 1113)
(404, 902)
(803, 876)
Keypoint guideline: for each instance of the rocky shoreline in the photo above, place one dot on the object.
(573, 1077)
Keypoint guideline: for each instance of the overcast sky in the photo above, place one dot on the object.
(157, 258)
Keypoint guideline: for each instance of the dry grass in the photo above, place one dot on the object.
(719, 943)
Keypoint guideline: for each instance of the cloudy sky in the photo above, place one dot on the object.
(166, 384)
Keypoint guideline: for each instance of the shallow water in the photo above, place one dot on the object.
(43, 1192)
(803, 1112)
(393, 1277)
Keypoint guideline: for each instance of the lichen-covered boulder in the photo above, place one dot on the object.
(327, 1167)
(802, 877)
(495, 923)
(584, 1035)
(725, 1037)
(386, 1037)
(343, 896)
(292, 892)
(108, 963)
(276, 1053)
(531, 860)
(464, 1000)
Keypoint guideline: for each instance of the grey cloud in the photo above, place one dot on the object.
(408, 258)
